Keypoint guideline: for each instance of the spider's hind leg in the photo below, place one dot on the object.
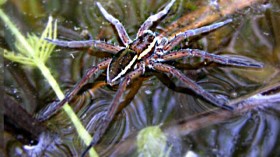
(221, 59)
(153, 18)
(192, 85)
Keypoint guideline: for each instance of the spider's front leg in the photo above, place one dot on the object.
(184, 35)
(54, 107)
(153, 18)
(221, 59)
(191, 85)
(87, 43)
(113, 108)
(118, 25)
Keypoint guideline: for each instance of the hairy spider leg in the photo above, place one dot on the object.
(113, 108)
(191, 85)
(87, 43)
(53, 108)
(153, 18)
(118, 25)
(221, 59)
(189, 33)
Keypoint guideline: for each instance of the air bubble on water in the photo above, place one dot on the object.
(148, 91)
(76, 28)
(265, 33)
(14, 90)
(233, 94)
(84, 116)
(191, 154)
(72, 55)
(18, 151)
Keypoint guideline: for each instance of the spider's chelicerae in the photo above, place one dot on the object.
(147, 51)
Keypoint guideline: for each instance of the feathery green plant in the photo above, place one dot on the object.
(34, 51)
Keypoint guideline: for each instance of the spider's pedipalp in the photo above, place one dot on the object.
(189, 33)
(221, 59)
(192, 85)
(101, 45)
(153, 18)
(118, 25)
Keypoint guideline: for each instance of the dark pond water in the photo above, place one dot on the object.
(191, 124)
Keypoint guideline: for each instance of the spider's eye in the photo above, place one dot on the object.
(151, 38)
(148, 32)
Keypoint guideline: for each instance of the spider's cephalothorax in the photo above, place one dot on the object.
(147, 51)
(144, 44)
(126, 59)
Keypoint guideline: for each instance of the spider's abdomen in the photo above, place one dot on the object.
(120, 65)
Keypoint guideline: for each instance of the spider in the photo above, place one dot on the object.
(148, 51)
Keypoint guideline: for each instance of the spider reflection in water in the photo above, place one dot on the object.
(147, 51)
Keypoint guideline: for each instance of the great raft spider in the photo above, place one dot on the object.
(146, 51)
